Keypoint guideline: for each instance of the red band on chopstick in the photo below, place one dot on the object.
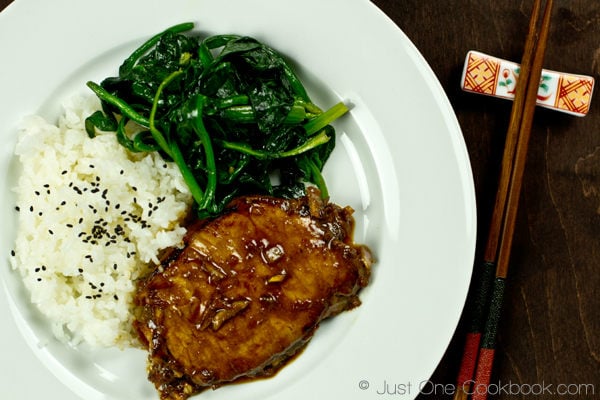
(484, 374)
(478, 315)
(467, 365)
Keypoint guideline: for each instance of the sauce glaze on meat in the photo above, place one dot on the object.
(248, 291)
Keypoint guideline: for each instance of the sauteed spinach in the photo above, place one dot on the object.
(228, 109)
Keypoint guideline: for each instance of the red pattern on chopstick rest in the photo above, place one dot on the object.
(574, 93)
(481, 74)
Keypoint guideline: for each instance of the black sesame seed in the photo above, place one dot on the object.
(12, 253)
(46, 185)
(69, 225)
(31, 208)
(18, 208)
(62, 203)
(115, 297)
(37, 193)
(64, 172)
(80, 270)
(92, 166)
(50, 231)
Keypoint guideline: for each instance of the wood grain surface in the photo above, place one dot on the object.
(549, 339)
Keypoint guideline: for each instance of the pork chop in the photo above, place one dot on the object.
(248, 291)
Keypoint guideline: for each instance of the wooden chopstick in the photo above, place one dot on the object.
(501, 229)
(487, 350)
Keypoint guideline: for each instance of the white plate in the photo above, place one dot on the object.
(400, 162)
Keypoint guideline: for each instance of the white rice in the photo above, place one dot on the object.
(92, 216)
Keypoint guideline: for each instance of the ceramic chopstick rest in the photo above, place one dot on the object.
(492, 76)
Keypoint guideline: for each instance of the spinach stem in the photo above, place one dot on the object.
(318, 178)
(156, 134)
(186, 172)
(122, 137)
(244, 114)
(310, 144)
(322, 120)
(211, 166)
(238, 100)
(119, 103)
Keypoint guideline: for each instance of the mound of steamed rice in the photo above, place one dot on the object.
(91, 218)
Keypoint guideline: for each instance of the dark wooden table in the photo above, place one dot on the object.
(549, 339)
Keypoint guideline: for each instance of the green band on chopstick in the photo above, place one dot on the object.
(491, 326)
(482, 296)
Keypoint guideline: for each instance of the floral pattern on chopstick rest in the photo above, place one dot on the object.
(485, 74)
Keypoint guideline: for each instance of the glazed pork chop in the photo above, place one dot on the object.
(248, 291)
